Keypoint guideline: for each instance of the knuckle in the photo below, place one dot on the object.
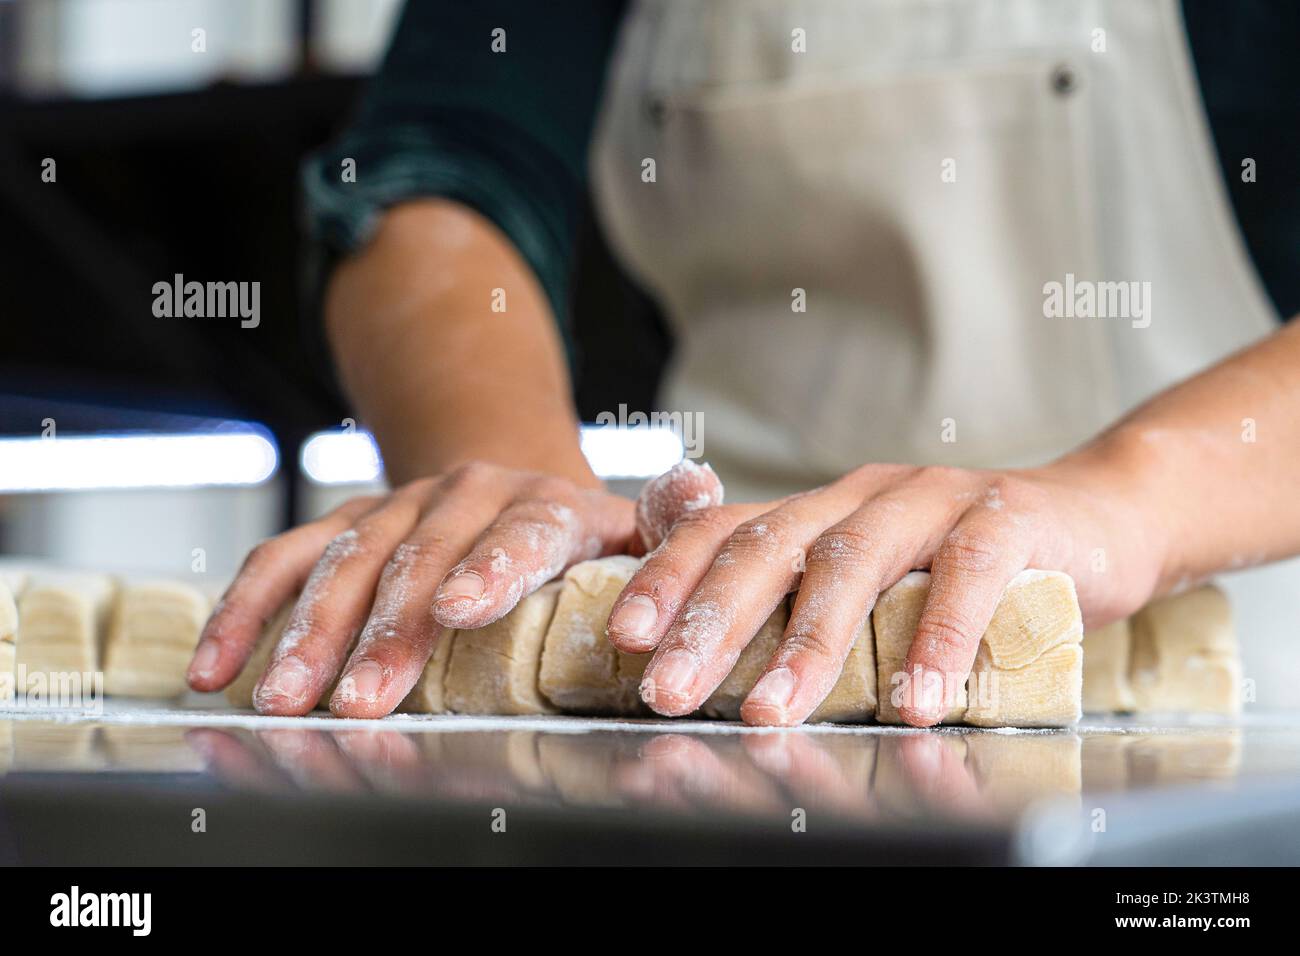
(762, 537)
(470, 474)
(416, 558)
(706, 520)
(265, 554)
(550, 488)
(937, 475)
(809, 643)
(943, 631)
(843, 544)
(970, 552)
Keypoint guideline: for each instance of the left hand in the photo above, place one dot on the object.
(721, 571)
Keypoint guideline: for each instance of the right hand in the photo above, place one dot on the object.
(456, 551)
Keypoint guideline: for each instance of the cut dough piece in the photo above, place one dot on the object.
(240, 691)
(1106, 687)
(493, 669)
(1046, 693)
(428, 696)
(61, 622)
(894, 620)
(1185, 654)
(8, 628)
(852, 699)
(724, 703)
(154, 628)
(580, 670)
(1010, 685)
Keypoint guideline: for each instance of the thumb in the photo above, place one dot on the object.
(684, 487)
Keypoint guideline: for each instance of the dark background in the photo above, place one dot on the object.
(205, 183)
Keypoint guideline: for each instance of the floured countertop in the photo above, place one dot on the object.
(1034, 796)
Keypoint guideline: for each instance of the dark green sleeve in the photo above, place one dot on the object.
(503, 132)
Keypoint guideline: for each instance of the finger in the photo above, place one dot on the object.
(848, 566)
(967, 577)
(653, 598)
(549, 526)
(333, 606)
(271, 575)
(401, 632)
(684, 487)
(237, 760)
(757, 566)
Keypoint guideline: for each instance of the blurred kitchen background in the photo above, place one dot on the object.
(177, 434)
(180, 443)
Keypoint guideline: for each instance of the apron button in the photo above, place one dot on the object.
(1064, 81)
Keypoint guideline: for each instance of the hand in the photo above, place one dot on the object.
(721, 571)
(455, 551)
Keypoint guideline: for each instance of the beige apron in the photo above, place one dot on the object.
(922, 173)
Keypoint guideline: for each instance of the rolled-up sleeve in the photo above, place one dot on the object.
(488, 103)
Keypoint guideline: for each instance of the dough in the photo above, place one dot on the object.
(1105, 669)
(1185, 654)
(1045, 693)
(494, 669)
(724, 703)
(894, 620)
(152, 633)
(1028, 671)
(41, 745)
(428, 696)
(580, 670)
(240, 691)
(8, 628)
(852, 699)
(61, 622)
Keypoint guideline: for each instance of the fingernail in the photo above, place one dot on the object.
(205, 659)
(929, 702)
(674, 674)
(467, 584)
(288, 679)
(362, 683)
(775, 689)
(634, 617)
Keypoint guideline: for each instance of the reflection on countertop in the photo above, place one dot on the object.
(873, 775)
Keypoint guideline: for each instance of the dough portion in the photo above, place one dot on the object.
(429, 695)
(1105, 669)
(1025, 673)
(724, 703)
(8, 629)
(1185, 655)
(894, 619)
(851, 700)
(1045, 693)
(153, 630)
(494, 669)
(582, 672)
(62, 617)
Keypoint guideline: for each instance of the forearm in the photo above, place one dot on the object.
(1215, 459)
(438, 375)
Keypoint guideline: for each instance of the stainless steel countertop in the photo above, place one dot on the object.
(1112, 791)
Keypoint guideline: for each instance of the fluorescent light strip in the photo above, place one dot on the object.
(80, 463)
(340, 458)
